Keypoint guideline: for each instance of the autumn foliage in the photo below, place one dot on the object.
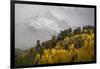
(68, 47)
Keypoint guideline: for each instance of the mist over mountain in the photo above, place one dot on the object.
(37, 28)
(36, 22)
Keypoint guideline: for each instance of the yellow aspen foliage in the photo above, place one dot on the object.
(80, 49)
(53, 51)
(71, 46)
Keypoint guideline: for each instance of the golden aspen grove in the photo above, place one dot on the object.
(69, 46)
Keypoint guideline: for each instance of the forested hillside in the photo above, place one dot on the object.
(69, 46)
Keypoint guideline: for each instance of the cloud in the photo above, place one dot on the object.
(40, 22)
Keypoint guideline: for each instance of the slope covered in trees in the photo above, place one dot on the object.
(69, 46)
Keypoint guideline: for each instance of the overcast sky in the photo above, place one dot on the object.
(39, 22)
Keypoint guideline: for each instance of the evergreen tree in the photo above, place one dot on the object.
(38, 46)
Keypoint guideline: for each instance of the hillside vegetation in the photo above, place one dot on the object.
(69, 46)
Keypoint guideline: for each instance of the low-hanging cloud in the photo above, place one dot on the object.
(37, 22)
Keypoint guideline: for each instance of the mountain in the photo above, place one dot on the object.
(69, 46)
